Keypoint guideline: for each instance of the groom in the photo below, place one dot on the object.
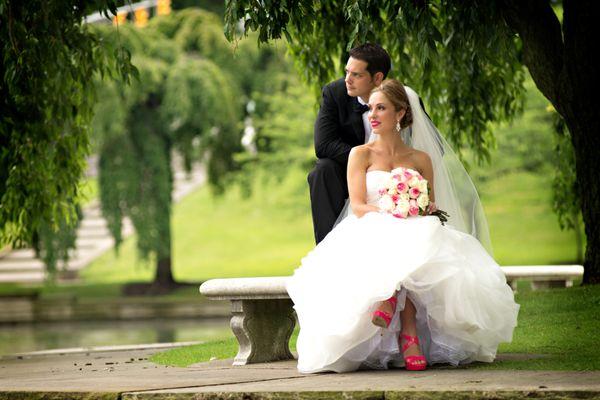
(342, 124)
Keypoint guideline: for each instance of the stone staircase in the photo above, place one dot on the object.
(93, 240)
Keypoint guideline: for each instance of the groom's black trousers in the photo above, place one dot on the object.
(328, 193)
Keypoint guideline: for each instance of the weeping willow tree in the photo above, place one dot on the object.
(46, 102)
(183, 101)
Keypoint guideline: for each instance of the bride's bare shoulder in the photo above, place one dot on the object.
(421, 155)
(360, 157)
(361, 152)
(422, 159)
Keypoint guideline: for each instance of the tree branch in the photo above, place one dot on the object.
(543, 47)
(580, 27)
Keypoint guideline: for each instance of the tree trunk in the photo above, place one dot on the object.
(580, 30)
(578, 239)
(164, 275)
(586, 143)
(560, 61)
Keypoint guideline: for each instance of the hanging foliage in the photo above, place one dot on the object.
(462, 81)
(46, 101)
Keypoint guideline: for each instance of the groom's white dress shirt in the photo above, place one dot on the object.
(366, 123)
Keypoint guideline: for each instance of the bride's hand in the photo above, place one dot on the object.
(431, 208)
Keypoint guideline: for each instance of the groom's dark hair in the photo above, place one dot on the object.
(377, 59)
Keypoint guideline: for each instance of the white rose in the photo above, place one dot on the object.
(404, 197)
(422, 186)
(397, 171)
(413, 182)
(391, 184)
(423, 201)
(402, 207)
(386, 203)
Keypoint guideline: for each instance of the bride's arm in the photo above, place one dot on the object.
(357, 185)
(426, 168)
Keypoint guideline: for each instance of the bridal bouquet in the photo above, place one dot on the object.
(406, 194)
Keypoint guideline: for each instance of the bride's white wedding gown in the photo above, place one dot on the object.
(464, 306)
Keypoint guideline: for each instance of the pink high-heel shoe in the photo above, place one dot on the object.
(412, 361)
(382, 318)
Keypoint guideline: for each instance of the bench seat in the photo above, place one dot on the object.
(543, 276)
(262, 319)
(263, 316)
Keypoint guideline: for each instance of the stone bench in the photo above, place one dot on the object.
(543, 276)
(263, 317)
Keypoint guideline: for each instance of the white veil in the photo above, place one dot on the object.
(453, 188)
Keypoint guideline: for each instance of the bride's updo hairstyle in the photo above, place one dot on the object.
(396, 94)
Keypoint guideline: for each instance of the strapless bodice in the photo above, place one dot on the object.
(375, 180)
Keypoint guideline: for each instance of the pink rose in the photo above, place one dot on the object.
(395, 198)
(400, 215)
(402, 187)
(414, 192)
(407, 174)
(397, 177)
(413, 210)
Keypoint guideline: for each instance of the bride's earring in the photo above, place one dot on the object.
(398, 127)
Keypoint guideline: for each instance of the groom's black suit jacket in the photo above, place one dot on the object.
(338, 127)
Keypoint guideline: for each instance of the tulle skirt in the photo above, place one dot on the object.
(464, 306)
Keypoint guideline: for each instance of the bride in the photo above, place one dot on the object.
(381, 291)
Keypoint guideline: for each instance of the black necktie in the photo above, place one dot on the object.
(360, 108)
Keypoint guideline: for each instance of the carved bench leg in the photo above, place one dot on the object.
(548, 284)
(263, 329)
(569, 283)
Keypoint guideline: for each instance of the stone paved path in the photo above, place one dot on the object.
(128, 374)
(93, 239)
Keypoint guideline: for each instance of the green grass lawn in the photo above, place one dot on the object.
(257, 236)
(560, 324)
(226, 237)
(523, 228)
(268, 234)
